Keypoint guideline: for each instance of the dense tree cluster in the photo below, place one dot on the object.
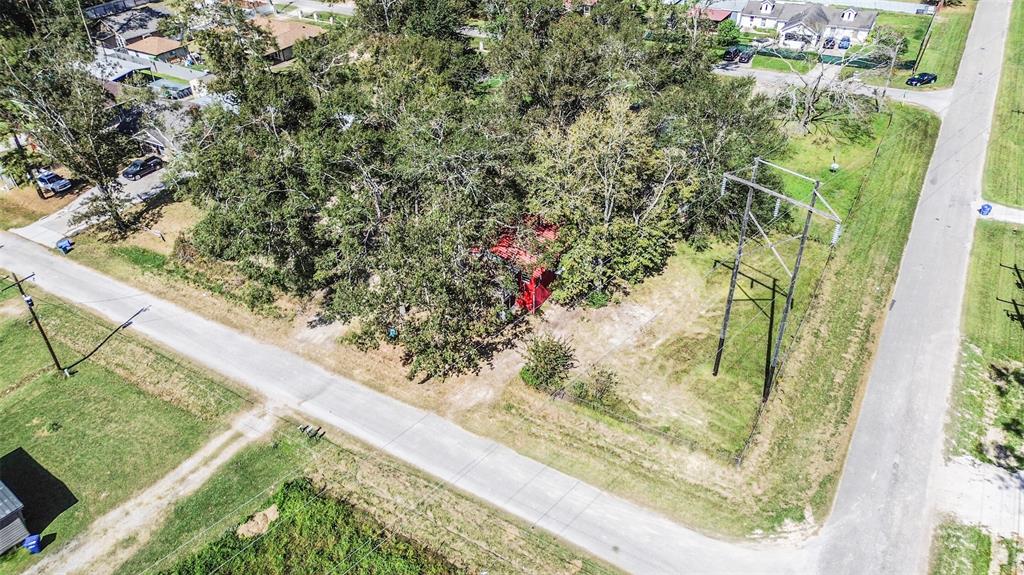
(380, 167)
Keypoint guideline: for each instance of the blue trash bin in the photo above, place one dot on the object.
(985, 209)
(33, 543)
(64, 245)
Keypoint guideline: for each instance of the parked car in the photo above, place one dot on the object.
(51, 182)
(922, 79)
(141, 167)
(844, 43)
(731, 53)
(829, 44)
(746, 56)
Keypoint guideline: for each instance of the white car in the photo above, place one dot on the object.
(51, 182)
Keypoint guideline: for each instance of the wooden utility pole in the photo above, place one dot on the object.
(30, 304)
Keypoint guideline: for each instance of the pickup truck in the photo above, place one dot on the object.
(51, 182)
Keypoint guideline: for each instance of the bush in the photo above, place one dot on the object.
(257, 296)
(548, 362)
(599, 390)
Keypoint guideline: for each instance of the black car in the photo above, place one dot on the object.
(829, 44)
(746, 56)
(922, 79)
(731, 54)
(139, 168)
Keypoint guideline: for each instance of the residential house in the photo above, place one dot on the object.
(286, 33)
(157, 48)
(119, 30)
(803, 25)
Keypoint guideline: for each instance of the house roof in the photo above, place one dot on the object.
(9, 502)
(154, 45)
(813, 15)
(112, 69)
(137, 22)
(713, 14)
(287, 33)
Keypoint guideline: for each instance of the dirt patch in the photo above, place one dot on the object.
(12, 308)
(259, 523)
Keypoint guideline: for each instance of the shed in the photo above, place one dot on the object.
(12, 522)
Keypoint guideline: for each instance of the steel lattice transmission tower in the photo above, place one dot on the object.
(812, 209)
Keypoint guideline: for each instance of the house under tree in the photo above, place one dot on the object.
(807, 25)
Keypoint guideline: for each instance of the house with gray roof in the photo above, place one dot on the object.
(806, 25)
(123, 28)
(12, 522)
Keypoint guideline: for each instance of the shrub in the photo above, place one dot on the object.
(257, 296)
(548, 362)
(599, 390)
(728, 33)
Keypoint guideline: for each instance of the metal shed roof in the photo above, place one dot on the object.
(9, 503)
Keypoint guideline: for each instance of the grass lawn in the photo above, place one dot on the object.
(959, 549)
(75, 448)
(989, 397)
(314, 534)
(1004, 169)
(762, 62)
(945, 48)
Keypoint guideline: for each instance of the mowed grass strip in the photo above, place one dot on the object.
(806, 431)
(959, 549)
(314, 534)
(75, 448)
(1004, 168)
(986, 407)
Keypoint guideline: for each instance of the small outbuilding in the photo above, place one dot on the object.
(12, 521)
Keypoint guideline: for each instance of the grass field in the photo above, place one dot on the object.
(314, 534)
(781, 65)
(945, 48)
(989, 397)
(1004, 169)
(959, 549)
(75, 448)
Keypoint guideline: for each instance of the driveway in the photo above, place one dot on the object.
(770, 81)
(51, 229)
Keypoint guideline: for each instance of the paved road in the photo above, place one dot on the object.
(881, 519)
(635, 539)
(937, 101)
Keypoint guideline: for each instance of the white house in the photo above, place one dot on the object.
(803, 25)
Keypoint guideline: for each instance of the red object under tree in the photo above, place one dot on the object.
(534, 288)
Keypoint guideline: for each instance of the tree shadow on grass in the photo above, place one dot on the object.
(44, 495)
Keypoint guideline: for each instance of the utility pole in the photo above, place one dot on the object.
(812, 209)
(30, 304)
